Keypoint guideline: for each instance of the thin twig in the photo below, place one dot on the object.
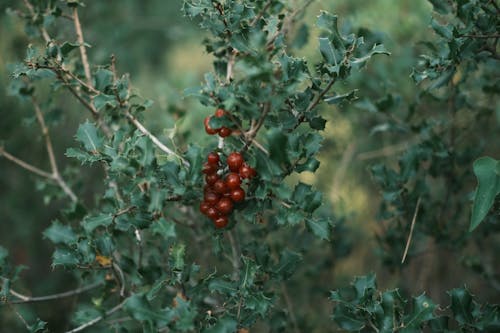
(30, 299)
(25, 165)
(121, 278)
(81, 42)
(97, 319)
(411, 230)
(482, 36)
(261, 13)
(43, 31)
(153, 138)
(383, 152)
(339, 175)
(235, 254)
(50, 151)
(25, 323)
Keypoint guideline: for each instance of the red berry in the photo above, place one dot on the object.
(212, 213)
(209, 129)
(224, 132)
(247, 171)
(211, 198)
(238, 194)
(233, 180)
(211, 178)
(204, 206)
(209, 169)
(234, 161)
(219, 113)
(213, 158)
(221, 222)
(224, 206)
(220, 187)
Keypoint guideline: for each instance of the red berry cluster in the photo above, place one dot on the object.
(222, 191)
(223, 131)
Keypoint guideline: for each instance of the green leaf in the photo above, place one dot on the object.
(67, 47)
(320, 227)
(177, 256)
(87, 135)
(423, 310)
(487, 189)
(59, 233)
(223, 325)
(139, 308)
(3, 255)
(40, 325)
(64, 257)
(289, 261)
(89, 223)
(337, 99)
(163, 228)
(377, 49)
(103, 79)
(101, 101)
(461, 305)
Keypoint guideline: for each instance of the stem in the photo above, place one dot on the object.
(43, 31)
(29, 299)
(50, 151)
(83, 50)
(153, 138)
(97, 319)
(411, 230)
(25, 165)
(289, 307)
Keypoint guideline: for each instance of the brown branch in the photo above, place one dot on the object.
(50, 151)
(25, 165)
(411, 231)
(261, 13)
(81, 42)
(30, 299)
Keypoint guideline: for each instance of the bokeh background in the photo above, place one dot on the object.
(163, 53)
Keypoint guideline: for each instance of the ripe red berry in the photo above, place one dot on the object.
(211, 198)
(209, 129)
(224, 206)
(247, 171)
(204, 206)
(209, 169)
(219, 113)
(212, 213)
(233, 180)
(238, 194)
(220, 186)
(221, 222)
(234, 161)
(224, 132)
(211, 178)
(213, 158)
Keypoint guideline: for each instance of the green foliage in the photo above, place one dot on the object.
(487, 171)
(362, 306)
(147, 258)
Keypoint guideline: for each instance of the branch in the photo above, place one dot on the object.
(43, 31)
(50, 151)
(97, 319)
(153, 138)
(30, 299)
(83, 50)
(261, 13)
(25, 165)
(411, 230)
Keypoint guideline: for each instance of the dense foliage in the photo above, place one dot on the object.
(214, 228)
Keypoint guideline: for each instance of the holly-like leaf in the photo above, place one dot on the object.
(60, 234)
(91, 222)
(223, 325)
(163, 228)
(87, 135)
(461, 305)
(488, 179)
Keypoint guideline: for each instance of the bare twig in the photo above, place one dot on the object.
(153, 138)
(411, 230)
(30, 299)
(255, 127)
(50, 151)
(81, 42)
(261, 13)
(43, 31)
(121, 278)
(482, 36)
(25, 165)
(235, 254)
(97, 319)
(25, 323)
(383, 152)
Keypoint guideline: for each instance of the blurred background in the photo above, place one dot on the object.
(163, 53)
